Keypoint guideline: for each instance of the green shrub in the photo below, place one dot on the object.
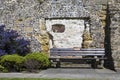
(12, 62)
(3, 69)
(36, 60)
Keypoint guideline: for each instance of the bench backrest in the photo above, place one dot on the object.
(81, 52)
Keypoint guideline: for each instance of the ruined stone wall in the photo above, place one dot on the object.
(97, 10)
(114, 26)
(28, 18)
(22, 16)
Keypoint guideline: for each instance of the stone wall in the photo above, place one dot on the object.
(29, 17)
(22, 16)
(97, 10)
(114, 25)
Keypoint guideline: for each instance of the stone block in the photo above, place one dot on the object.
(114, 47)
(103, 23)
(28, 29)
(42, 27)
(117, 63)
(102, 17)
(38, 38)
(29, 34)
(42, 24)
(104, 7)
(45, 48)
(103, 12)
(44, 42)
(86, 44)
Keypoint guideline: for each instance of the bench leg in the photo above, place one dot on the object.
(58, 64)
(94, 64)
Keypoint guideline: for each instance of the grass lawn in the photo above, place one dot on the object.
(41, 79)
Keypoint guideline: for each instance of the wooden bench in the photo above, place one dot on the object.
(92, 55)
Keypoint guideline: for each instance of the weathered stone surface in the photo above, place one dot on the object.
(20, 15)
(64, 9)
(71, 37)
(29, 17)
(114, 9)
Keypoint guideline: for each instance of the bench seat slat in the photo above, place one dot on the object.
(76, 58)
(93, 49)
(82, 52)
(82, 49)
(77, 54)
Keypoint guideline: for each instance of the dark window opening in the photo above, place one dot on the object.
(58, 28)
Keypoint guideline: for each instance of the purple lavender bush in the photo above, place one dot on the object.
(11, 42)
